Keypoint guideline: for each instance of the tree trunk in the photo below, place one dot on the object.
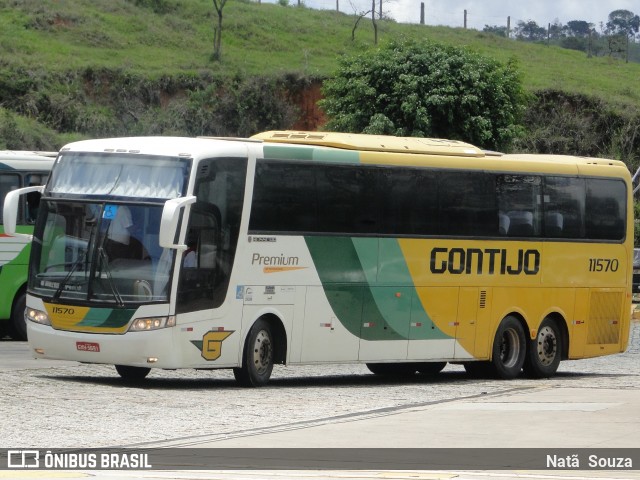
(373, 20)
(218, 5)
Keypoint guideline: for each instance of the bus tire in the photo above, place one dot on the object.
(401, 369)
(132, 374)
(431, 368)
(545, 351)
(509, 349)
(257, 356)
(18, 329)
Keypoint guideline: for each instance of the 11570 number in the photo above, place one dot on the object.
(603, 264)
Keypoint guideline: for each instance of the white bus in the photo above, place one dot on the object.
(298, 247)
(18, 169)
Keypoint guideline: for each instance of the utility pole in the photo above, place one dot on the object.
(509, 26)
(465, 19)
(422, 13)
(548, 34)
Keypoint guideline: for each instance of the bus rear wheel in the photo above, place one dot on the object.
(18, 329)
(132, 374)
(257, 357)
(545, 351)
(509, 349)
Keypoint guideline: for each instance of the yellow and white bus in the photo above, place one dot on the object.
(300, 248)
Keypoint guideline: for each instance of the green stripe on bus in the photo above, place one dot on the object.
(367, 307)
(107, 317)
(277, 152)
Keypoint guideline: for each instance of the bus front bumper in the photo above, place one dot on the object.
(152, 349)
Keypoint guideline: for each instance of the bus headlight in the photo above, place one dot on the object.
(37, 316)
(152, 323)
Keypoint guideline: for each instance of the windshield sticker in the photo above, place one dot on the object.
(110, 212)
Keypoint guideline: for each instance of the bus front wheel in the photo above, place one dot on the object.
(509, 349)
(257, 357)
(545, 351)
(18, 329)
(132, 374)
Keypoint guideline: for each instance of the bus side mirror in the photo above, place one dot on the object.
(170, 221)
(12, 206)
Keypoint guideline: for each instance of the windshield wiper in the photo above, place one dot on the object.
(114, 290)
(65, 280)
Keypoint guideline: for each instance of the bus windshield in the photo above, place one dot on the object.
(97, 239)
(138, 176)
(105, 253)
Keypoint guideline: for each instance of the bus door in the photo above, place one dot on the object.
(472, 320)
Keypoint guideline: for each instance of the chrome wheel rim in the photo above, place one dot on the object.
(262, 352)
(546, 345)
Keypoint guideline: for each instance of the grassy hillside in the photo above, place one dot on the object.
(79, 67)
(68, 35)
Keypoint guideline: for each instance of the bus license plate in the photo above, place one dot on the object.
(88, 346)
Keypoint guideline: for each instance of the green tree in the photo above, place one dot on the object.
(622, 25)
(530, 31)
(426, 90)
(499, 30)
(579, 28)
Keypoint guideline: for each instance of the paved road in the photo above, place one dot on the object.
(590, 403)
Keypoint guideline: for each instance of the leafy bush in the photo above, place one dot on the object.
(157, 6)
(18, 133)
(426, 89)
(560, 122)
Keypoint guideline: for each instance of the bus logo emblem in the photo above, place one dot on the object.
(211, 344)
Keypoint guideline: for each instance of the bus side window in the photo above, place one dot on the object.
(33, 198)
(605, 209)
(8, 182)
(200, 261)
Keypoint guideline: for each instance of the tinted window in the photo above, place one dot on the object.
(378, 200)
(212, 234)
(8, 182)
(412, 208)
(605, 209)
(348, 199)
(564, 207)
(467, 204)
(284, 198)
(519, 205)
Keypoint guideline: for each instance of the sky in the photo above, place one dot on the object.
(486, 12)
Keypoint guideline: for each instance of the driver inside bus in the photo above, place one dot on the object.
(118, 234)
(191, 254)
